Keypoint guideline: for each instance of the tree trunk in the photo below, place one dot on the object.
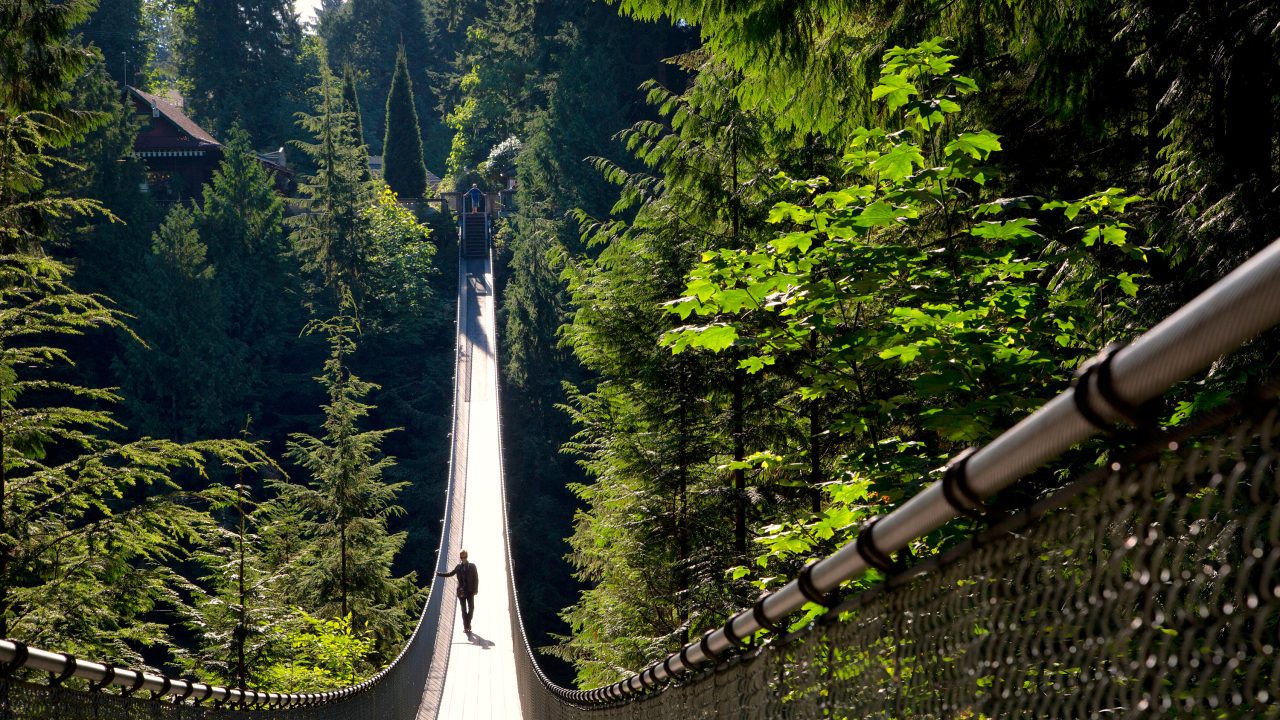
(242, 631)
(739, 474)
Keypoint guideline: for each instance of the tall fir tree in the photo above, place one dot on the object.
(242, 222)
(238, 610)
(92, 526)
(364, 34)
(185, 381)
(330, 239)
(242, 62)
(403, 168)
(116, 29)
(351, 101)
(346, 571)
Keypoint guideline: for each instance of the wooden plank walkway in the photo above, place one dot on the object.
(480, 676)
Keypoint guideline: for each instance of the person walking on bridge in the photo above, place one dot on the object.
(468, 586)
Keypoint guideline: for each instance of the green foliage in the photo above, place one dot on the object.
(78, 512)
(235, 608)
(345, 570)
(38, 61)
(97, 527)
(495, 88)
(400, 260)
(329, 238)
(657, 432)
(366, 35)
(241, 63)
(180, 375)
(402, 166)
(324, 654)
(116, 29)
(351, 102)
(37, 65)
(926, 309)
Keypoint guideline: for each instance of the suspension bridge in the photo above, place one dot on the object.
(1146, 587)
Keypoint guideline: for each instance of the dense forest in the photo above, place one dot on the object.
(766, 267)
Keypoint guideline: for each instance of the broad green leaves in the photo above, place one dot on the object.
(909, 301)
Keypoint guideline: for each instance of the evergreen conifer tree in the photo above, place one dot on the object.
(184, 382)
(242, 222)
(402, 165)
(90, 526)
(241, 59)
(330, 238)
(238, 609)
(364, 32)
(351, 101)
(115, 28)
(347, 505)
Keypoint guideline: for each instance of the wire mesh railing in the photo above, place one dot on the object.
(1148, 589)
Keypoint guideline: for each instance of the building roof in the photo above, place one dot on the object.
(164, 109)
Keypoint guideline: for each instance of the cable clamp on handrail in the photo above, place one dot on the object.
(685, 662)
(804, 582)
(762, 617)
(705, 646)
(138, 680)
(165, 686)
(178, 699)
(653, 676)
(871, 554)
(107, 677)
(1098, 369)
(960, 495)
(732, 635)
(20, 654)
(666, 666)
(69, 669)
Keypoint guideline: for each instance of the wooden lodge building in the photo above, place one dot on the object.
(180, 155)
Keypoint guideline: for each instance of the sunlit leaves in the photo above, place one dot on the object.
(898, 162)
(977, 145)
(895, 90)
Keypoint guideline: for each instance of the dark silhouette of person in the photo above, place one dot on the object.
(476, 196)
(468, 586)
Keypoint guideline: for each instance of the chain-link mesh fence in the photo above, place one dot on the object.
(1148, 590)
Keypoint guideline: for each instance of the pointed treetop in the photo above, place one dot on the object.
(351, 101)
(404, 169)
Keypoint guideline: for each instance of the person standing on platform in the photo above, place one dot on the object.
(476, 197)
(468, 586)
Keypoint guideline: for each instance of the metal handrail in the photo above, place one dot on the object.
(1235, 309)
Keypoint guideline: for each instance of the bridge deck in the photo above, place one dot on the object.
(480, 680)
